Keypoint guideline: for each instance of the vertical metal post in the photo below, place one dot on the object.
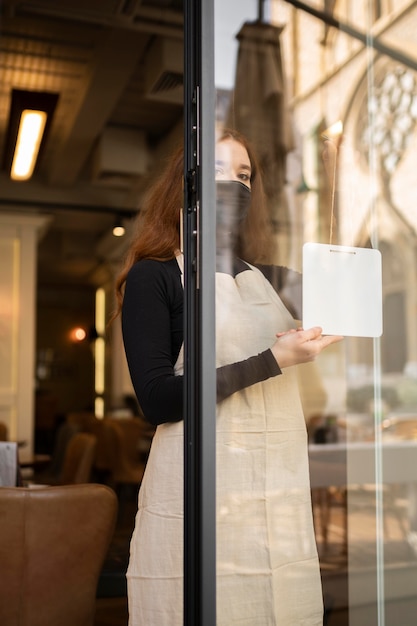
(199, 334)
(260, 10)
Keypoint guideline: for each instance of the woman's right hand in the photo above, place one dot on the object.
(301, 346)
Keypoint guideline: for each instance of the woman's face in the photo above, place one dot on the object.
(232, 162)
(233, 198)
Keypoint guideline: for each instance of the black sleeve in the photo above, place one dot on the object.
(237, 376)
(152, 323)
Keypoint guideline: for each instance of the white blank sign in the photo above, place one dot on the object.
(342, 290)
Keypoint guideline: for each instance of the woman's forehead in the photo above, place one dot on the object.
(230, 150)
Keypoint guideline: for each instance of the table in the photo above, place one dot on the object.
(35, 461)
(341, 464)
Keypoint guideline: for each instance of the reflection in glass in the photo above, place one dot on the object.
(262, 462)
(299, 77)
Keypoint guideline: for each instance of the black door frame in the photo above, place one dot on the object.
(199, 316)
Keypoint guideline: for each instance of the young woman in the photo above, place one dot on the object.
(267, 566)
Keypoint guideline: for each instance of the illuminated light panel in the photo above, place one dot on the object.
(32, 126)
(99, 408)
(100, 317)
(99, 354)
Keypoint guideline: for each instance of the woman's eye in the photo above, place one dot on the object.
(244, 177)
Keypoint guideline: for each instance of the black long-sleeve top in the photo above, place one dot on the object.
(152, 324)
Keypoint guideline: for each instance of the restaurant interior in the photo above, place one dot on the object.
(108, 79)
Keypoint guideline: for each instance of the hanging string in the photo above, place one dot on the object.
(332, 150)
(333, 196)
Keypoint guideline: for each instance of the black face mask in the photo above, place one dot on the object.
(233, 200)
(232, 205)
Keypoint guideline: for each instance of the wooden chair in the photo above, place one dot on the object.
(53, 542)
(82, 419)
(78, 460)
(133, 438)
(106, 450)
(51, 474)
(4, 433)
(129, 435)
(106, 444)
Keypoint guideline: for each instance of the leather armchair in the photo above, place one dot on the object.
(53, 542)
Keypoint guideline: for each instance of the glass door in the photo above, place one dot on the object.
(312, 138)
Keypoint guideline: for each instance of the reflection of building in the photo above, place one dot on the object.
(333, 76)
(385, 124)
(367, 198)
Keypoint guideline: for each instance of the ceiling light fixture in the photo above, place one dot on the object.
(29, 121)
(29, 137)
(118, 228)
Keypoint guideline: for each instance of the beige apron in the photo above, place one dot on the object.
(267, 567)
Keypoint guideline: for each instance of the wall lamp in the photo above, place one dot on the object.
(29, 120)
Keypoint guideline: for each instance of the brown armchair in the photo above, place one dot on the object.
(53, 542)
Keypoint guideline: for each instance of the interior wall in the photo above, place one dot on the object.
(64, 367)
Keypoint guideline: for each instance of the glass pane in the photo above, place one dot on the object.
(316, 437)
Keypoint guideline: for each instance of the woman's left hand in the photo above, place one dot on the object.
(301, 346)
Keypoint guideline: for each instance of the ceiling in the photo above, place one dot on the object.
(116, 66)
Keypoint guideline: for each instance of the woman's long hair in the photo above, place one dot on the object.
(157, 228)
(255, 237)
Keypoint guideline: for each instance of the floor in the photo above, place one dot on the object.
(350, 549)
(111, 612)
